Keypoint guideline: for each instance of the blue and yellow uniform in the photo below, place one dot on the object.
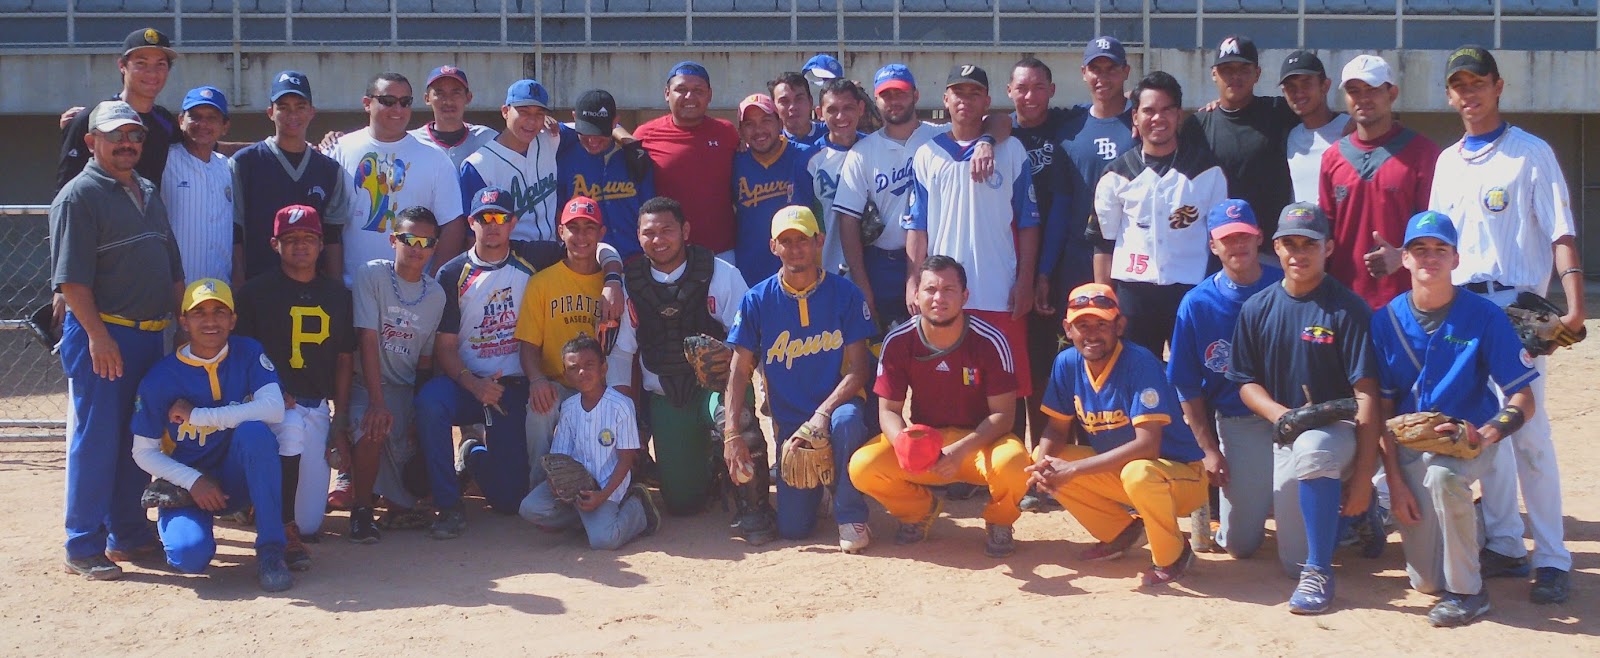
(762, 187)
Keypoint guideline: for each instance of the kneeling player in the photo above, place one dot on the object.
(597, 428)
(1440, 347)
(965, 384)
(1136, 454)
(210, 402)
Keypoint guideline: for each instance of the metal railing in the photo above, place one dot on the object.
(33, 388)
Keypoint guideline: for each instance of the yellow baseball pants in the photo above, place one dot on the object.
(1160, 490)
(876, 472)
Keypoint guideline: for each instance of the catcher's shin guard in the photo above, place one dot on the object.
(756, 521)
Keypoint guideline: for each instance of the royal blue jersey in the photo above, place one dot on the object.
(819, 131)
(1202, 340)
(243, 369)
(799, 339)
(1132, 390)
(606, 179)
(762, 187)
(1449, 370)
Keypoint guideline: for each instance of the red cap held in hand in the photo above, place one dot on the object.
(918, 447)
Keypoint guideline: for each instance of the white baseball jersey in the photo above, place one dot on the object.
(476, 137)
(1305, 155)
(1155, 214)
(530, 178)
(826, 161)
(1510, 202)
(593, 436)
(878, 169)
(722, 299)
(973, 222)
(385, 178)
(199, 198)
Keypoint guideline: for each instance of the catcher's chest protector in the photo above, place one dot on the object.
(669, 312)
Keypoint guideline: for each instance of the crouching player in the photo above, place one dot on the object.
(209, 404)
(597, 428)
(1439, 347)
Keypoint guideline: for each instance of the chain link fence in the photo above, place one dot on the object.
(33, 389)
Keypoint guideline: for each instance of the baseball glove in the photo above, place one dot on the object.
(711, 360)
(161, 493)
(567, 477)
(1538, 324)
(1416, 431)
(1312, 416)
(808, 466)
(42, 322)
(871, 224)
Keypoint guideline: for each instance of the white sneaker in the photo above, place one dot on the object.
(854, 536)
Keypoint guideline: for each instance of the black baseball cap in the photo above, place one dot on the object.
(1471, 58)
(1235, 48)
(595, 112)
(1303, 219)
(148, 38)
(1301, 62)
(964, 73)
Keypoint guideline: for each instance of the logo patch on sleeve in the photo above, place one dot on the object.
(1149, 397)
(1525, 357)
(267, 363)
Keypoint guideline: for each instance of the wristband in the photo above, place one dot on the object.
(464, 372)
(986, 139)
(614, 277)
(1571, 270)
(1508, 420)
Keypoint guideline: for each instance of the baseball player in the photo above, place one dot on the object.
(284, 170)
(1135, 454)
(598, 429)
(304, 322)
(693, 153)
(843, 105)
(1304, 81)
(1440, 347)
(521, 160)
(1370, 180)
(481, 372)
(767, 177)
(797, 108)
(197, 186)
(1509, 198)
(115, 262)
(1146, 223)
(1237, 443)
(592, 163)
(211, 403)
(390, 170)
(146, 60)
(802, 327)
(961, 375)
(1306, 342)
(397, 312)
(447, 94)
(677, 290)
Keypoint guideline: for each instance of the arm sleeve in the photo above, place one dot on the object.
(1183, 364)
(340, 207)
(916, 218)
(73, 241)
(471, 183)
(858, 324)
(1151, 403)
(891, 381)
(148, 455)
(999, 369)
(727, 288)
(1061, 389)
(606, 253)
(174, 259)
(368, 297)
(450, 317)
(805, 190)
(1361, 359)
(1325, 197)
(265, 405)
(628, 430)
(1384, 344)
(1105, 225)
(851, 197)
(1424, 168)
(531, 313)
(746, 329)
(619, 363)
(1552, 205)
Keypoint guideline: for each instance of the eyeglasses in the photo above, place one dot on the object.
(491, 217)
(1096, 300)
(131, 136)
(418, 241)
(388, 100)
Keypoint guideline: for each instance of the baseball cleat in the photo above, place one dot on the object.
(450, 524)
(1550, 585)
(1171, 573)
(916, 531)
(1000, 542)
(272, 573)
(1130, 538)
(853, 537)
(1314, 594)
(652, 514)
(1493, 565)
(150, 550)
(1459, 609)
(94, 567)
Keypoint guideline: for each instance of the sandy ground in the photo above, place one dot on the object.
(691, 590)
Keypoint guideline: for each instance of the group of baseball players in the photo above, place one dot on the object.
(1228, 304)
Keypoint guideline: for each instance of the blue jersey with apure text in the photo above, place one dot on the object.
(605, 179)
(762, 187)
(243, 369)
(1202, 340)
(799, 339)
(1449, 370)
(1131, 390)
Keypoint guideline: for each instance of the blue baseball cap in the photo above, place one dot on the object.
(1105, 47)
(893, 76)
(491, 198)
(206, 96)
(1230, 217)
(447, 71)
(524, 93)
(691, 68)
(1431, 224)
(823, 67)
(290, 82)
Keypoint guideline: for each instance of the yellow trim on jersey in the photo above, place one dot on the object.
(167, 444)
(783, 145)
(1161, 419)
(1100, 382)
(801, 295)
(1055, 414)
(209, 366)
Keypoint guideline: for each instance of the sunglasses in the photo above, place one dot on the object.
(1091, 301)
(131, 136)
(491, 217)
(389, 100)
(418, 241)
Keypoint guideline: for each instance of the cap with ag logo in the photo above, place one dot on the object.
(291, 82)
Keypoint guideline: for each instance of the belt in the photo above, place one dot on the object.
(1487, 287)
(515, 380)
(309, 403)
(141, 325)
(889, 254)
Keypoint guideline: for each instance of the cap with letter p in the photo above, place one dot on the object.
(1302, 219)
(296, 218)
(795, 218)
(290, 82)
(207, 290)
(1430, 224)
(1230, 217)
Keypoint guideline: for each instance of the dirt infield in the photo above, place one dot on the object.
(690, 590)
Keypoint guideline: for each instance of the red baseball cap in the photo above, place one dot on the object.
(580, 207)
(918, 447)
(296, 218)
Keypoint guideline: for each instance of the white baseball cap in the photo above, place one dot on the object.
(111, 115)
(1370, 69)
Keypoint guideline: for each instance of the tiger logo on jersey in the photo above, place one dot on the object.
(1317, 335)
(1495, 199)
(1183, 217)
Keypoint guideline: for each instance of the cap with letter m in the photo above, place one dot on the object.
(1235, 48)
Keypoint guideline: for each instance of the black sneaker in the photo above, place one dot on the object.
(1039, 502)
(1494, 565)
(94, 567)
(1459, 609)
(652, 514)
(757, 526)
(1550, 585)
(450, 524)
(363, 530)
(273, 573)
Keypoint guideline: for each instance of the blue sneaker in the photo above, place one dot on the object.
(273, 572)
(1314, 594)
(1493, 564)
